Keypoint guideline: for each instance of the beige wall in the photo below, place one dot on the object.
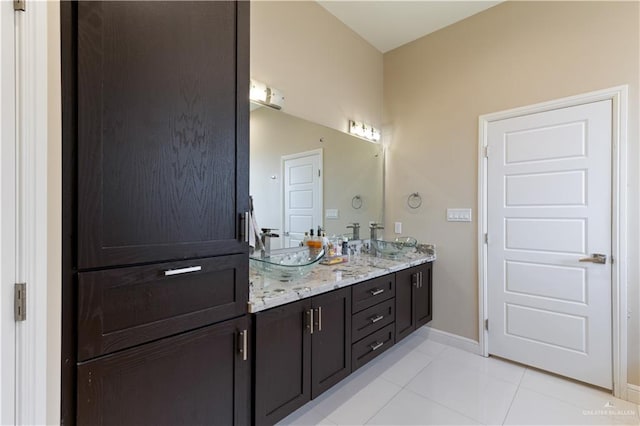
(54, 219)
(515, 54)
(327, 72)
(352, 166)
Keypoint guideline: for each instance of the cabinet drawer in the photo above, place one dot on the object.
(120, 308)
(372, 292)
(371, 346)
(372, 319)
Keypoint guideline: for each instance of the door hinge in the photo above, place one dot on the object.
(486, 324)
(19, 5)
(20, 301)
(318, 172)
(486, 151)
(486, 238)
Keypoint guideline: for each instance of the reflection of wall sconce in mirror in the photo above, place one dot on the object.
(364, 131)
(356, 202)
(261, 94)
(414, 200)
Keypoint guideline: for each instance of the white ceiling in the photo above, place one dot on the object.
(390, 24)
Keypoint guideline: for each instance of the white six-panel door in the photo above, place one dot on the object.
(549, 211)
(302, 193)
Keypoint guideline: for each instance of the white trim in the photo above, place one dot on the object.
(7, 213)
(31, 229)
(450, 339)
(619, 97)
(633, 393)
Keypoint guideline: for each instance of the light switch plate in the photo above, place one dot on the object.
(398, 228)
(458, 215)
(331, 213)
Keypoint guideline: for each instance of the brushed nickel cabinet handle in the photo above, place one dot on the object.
(319, 318)
(376, 319)
(170, 272)
(310, 320)
(243, 344)
(376, 346)
(377, 291)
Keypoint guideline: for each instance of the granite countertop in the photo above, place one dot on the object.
(265, 293)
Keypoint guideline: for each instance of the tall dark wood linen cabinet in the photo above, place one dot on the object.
(155, 187)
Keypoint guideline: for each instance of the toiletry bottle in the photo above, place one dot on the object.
(305, 240)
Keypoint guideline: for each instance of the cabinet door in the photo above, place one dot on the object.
(282, 361)
(422, 296)
(195, 378)
(162, 130)
(331, 340)
(406, 280)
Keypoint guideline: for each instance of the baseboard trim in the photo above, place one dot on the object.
(633, 393)
(451, 339)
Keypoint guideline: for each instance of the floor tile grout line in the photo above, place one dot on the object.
(515, 394)
(442, 405)
(612, 417)
(386, 403)
(567, 401)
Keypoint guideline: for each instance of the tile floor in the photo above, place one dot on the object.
(422, 382)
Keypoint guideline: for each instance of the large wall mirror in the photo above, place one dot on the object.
(304, 175)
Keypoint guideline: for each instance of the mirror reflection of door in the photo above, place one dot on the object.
(302, 195)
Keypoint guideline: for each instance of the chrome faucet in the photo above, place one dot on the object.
(374, 230)
(265, 237)
(356, 230)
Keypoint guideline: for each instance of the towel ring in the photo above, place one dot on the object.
(356, 202)
(414, 200)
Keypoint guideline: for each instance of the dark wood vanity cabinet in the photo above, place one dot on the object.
(331, 340)
(413, 299)
(155, 111)
(197, 378)
(301, 350)
(162, 107)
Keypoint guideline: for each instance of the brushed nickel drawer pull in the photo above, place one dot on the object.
(179, 271)
(377, 291)
(376, 319)
(309, 314)
(376, 346)
(243, 344)
(319, 318)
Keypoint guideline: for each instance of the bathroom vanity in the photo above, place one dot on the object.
(311, 333)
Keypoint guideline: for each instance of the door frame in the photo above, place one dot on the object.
(283, 159)
(36, 375)
(7, 214)
(619, 98)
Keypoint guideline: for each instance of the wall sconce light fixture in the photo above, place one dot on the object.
(364, 130)
(261, 94)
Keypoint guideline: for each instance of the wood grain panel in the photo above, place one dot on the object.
(282, 362)
(196, 378)
(371, 346)
(119, 308)
(372, 319)
(372, 292)
(331, 340)
(158, 131)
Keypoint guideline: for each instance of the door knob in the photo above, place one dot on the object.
(595, 258)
